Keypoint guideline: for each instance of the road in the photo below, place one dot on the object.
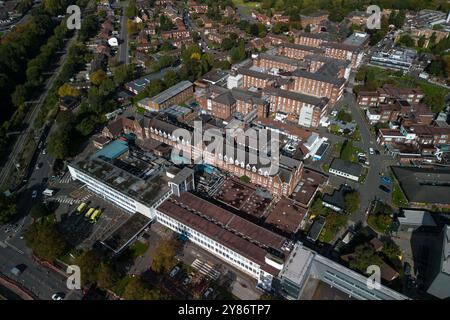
(124, 56)
(31, 117)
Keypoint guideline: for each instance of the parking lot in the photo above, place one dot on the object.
(79, 230)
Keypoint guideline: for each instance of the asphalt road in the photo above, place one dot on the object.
(123, 47)
(31, 117)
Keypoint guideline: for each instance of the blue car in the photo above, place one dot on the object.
(386, 180)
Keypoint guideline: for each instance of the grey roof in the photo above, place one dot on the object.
(348, 167)
(316, 228)
(181, 176)
(440, 285)
(302, 47)
(225, 98)
(319, 77)
(317, 35)
(255, 74)
(414, 217)
(171, 92)
(282, 59)
(337, 198)
(246, 95)
(342, 46)
(320, 102)
(330, 69)
(425, 185)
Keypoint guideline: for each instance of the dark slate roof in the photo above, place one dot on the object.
(318, 77)
(337, 198)
(425, 185)
(321, 102)
(346, 166)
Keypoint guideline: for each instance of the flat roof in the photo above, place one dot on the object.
(286, 215)
(171, 92)
(232, 231)
(424, 185)
(146, 187)
(126, 232)
(113, 150)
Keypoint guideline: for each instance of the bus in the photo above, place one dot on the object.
(81, 208)
(88, 214)
(96, 215)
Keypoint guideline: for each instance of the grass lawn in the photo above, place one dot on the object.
(398, 198)
(121, 284)
(138, 249)
(247, 6)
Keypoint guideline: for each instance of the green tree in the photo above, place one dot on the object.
(123, 73)
(39, 210)
(97, 77)
(170, 78)
(89, 263)
(45, 240)
(131, 10)
(59, 143)
(107, 276)
(137, 289)
(164, 257)
(364, 256)
(19, 95)
(352, 200)
(7, 208)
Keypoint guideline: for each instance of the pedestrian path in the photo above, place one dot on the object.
(206, 269)
(66, 178)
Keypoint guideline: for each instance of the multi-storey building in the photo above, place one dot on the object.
(175, 34)
(311, 39)
(343, 51)
(298, 51)
(268, 62)
(258, 79)
(318, 85)
(305, 110)
(175, 94)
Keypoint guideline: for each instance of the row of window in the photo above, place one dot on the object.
(212, 245)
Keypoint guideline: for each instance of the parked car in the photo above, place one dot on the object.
(58, 296)
(208, 293)
(371, 151)
(407, 269)
(174, 271)
(384, 188)
(187, 280)
(34, 194)
(18, 269)
(386, 180)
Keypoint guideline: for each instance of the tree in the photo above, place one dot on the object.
(364, 256)
(164, 257)
(7, 208)
(227, 44)
(19, 95)
(352, 200)
(45, 240)
(154, 87)
(406, 40)
(39, 210)
(421, 41)
(58, 144)
(97, 77)
(123, 73)
(68, 90)
(347, 150)
(89, 263)
(170, 78)
(106, 276)
(136, 289)
(131, 10)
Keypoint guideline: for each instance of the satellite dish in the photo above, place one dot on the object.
(113, 42)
